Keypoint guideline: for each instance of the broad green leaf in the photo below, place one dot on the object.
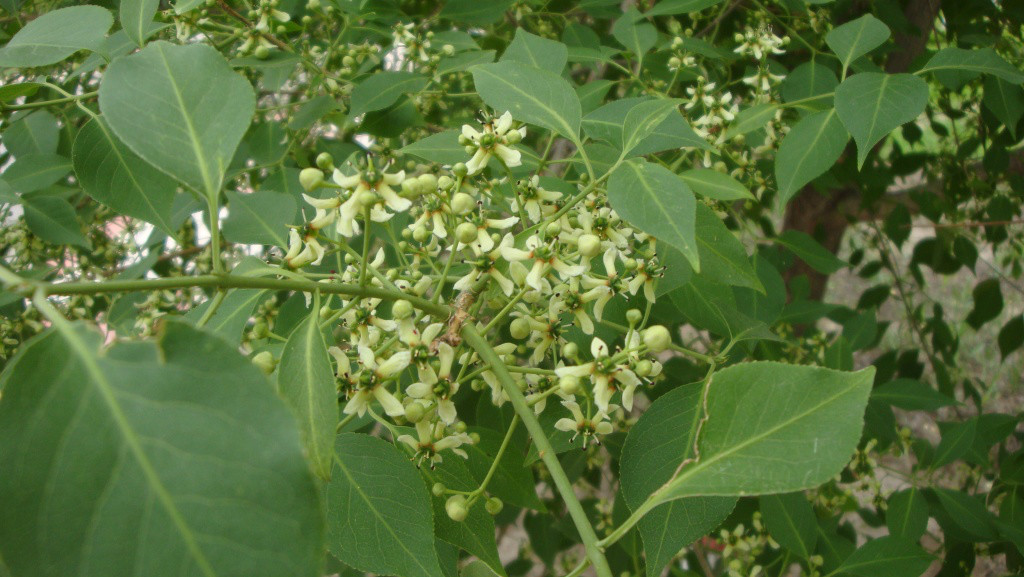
(261, 217)
(236, 309)
(8, 196)
(654, 448)
(808, 80)
(464, 61)
(634, 32)
(53, 219)
(205, 109)
(723, 257)
(983, 60)
(35, 171)
(115, 176)
(56, 35)
(967, 516)
(988, 302)
(306, 382)
(643, 119)
(681, 6)
(907, 514)
(9, 92)
(383, 89)
(532, 95)
(137, 18)
(442, 148)
(790, 520)
(957, 439)
(856, 38)
(475, 11)
(151, 459)
(652, 198)
(532, 50)
(609, 123)
(712, 306)
(35, 133)
(810, 148)
(716, 185)
(751, 119)
(673, 132)
(911, 395)
(1005, 100)
(873, 104)
(379, 518)
(775, 428)
(1011, 336)
(887, 556)
(810, 251)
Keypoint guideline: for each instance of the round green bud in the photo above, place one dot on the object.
(569, 384)
(590, 245)
(631, 264)
(311, 178)
(494, 505)
(313, 5)
(460, 169)
(570, 350)
(461, 427)
(469, 148)
(456, 508)
(657, 338)
(465, 140)
(367, 199)
(475, 437)
(438, 489)
(428, 183)
(261, 52)
(265, 362)
(348, 62)
(462, 203)
(420, 234)
(414, 412)
(553, 229)
(411, 187)
(643, 368)
(466, 232)
(325, 161)
(674, 62)
(519, 328)
(634, 316)
(445, 182)
(513, 137)
(401, 309)
(307, 20)
(448, 49)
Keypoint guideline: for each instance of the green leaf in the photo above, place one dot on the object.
(532, 50)
(442, 148)
(464, 61)
(751, 119)
(56, 35)
(790, 520)
(512, 482)
(1011, 336)
(475, 11)
(856, 38)
(151, 459)
(35, 171)
(378, 510)
(652, 198)
(810, 148)
(911, 395)
(713, 184)
(887, 556)
(52, 219)
(205, 109)
(681, 6)
(988, 302)
(643, 119)
(235, 311)
(722, 255)
(808, 80)
(35, 133)
(673, 132)
(115, 176)
(956, 441)
(967, 516)
(634, 32)
(261, 217)
(873, 104)
(383, 89)
(1005, 100)
(609, 123)
(532, 95)
(137, 18)
(810, 251)
(775, 428)
(306, 382)
(907, 514)
(654, 448)
(983, 60)
(711, 305)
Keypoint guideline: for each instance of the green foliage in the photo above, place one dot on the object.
(349, 287)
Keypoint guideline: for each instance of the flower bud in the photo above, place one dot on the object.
(513, 137)
(466, 232)
(519, 329)
(460, 427)
(657, 338)
(553, 229)
(569, 384)
(570, 350)
(411, 187)
(420, 234)
(311, 178)
(674, 62)
(325, 161)
(456, 508)
(643, 368)
(414, 412)
(428, 183)
(462, 203)
(494, 505)
(313, 5)
(590, 246)
(401, 309)
(367, 199)
(265, 362)
(261, 53)
(445, 182)
(460, 170)
(634, 316)
(438, 489)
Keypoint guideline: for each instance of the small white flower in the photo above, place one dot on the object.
(579, 424)
(368, 384)
(605, 375)
(438, 386)
(431, 440)
(492, 141)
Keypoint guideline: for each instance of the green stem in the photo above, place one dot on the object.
(497, 458)
(366, 247)
(215, 256)
(212, 309)
(579, 517)
(45, 103)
